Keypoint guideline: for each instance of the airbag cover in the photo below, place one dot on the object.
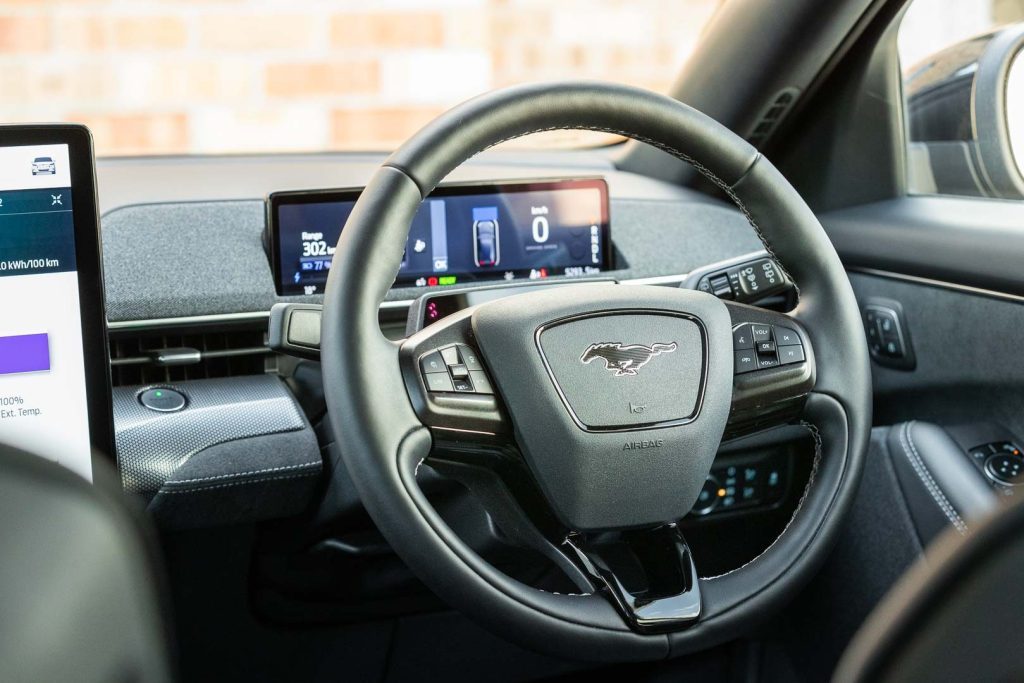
(573, 366)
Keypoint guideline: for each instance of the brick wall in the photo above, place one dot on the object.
(157, 76)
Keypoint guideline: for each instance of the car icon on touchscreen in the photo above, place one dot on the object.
(43, 166)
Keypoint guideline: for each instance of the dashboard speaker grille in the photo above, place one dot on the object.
(772, 115)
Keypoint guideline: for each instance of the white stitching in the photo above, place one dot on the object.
(816, 435)
(703, 170)
(171, 482)
(910, 449)
(234, 483)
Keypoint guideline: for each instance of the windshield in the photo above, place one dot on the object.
(159, 77)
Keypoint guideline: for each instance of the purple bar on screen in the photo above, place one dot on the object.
(24, 353)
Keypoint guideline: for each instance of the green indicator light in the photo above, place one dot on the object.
(446, 280)
(159, 394)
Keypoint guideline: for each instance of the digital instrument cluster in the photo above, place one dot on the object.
(462, 233)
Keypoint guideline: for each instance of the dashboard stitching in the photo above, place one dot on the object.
(910, 449)
(260, 480)
(816, 435)
(312, 463)
(701, 168)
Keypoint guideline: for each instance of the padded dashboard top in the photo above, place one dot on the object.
(171, 260)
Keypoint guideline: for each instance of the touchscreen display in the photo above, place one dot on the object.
(43, 399)
(461, 233)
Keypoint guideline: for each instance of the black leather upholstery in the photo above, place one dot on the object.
(954, 616)
(941, 487)
(78, 595)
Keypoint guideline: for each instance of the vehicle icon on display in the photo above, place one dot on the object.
(43, 166)
(486, 248)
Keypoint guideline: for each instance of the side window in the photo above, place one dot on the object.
(963, 87)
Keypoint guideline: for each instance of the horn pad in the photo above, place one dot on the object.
(619, 395)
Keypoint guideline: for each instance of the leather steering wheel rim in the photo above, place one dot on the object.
(382, 441)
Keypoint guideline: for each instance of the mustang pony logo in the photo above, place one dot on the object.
(624, 360)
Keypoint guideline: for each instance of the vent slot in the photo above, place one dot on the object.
(155, 356)
(772, 114)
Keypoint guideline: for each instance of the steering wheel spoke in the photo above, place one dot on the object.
(450, 388)
(774, 369)
(500, 481)
(649, 575)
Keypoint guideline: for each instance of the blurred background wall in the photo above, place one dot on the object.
(182, 76)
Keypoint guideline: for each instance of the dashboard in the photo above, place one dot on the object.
(183, 238)
(193, 287)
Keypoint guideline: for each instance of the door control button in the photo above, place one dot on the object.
(887, 334)
(1005, 468)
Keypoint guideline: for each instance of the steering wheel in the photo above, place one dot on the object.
(551, 439)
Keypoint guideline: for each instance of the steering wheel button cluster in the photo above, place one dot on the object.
(760, 347)
(454, 368)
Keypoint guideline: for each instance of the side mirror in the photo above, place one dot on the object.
(965, 115)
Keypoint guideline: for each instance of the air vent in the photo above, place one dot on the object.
(771, 116)
(153, 356)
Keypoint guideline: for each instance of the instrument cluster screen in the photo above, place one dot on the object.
(461, 233)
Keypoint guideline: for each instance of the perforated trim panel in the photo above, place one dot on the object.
(152, 446)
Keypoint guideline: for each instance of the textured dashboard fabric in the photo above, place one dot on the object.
(205, 258)
(152, 447)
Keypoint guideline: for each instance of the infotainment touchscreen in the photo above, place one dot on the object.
(54, 391)
(465, 232)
